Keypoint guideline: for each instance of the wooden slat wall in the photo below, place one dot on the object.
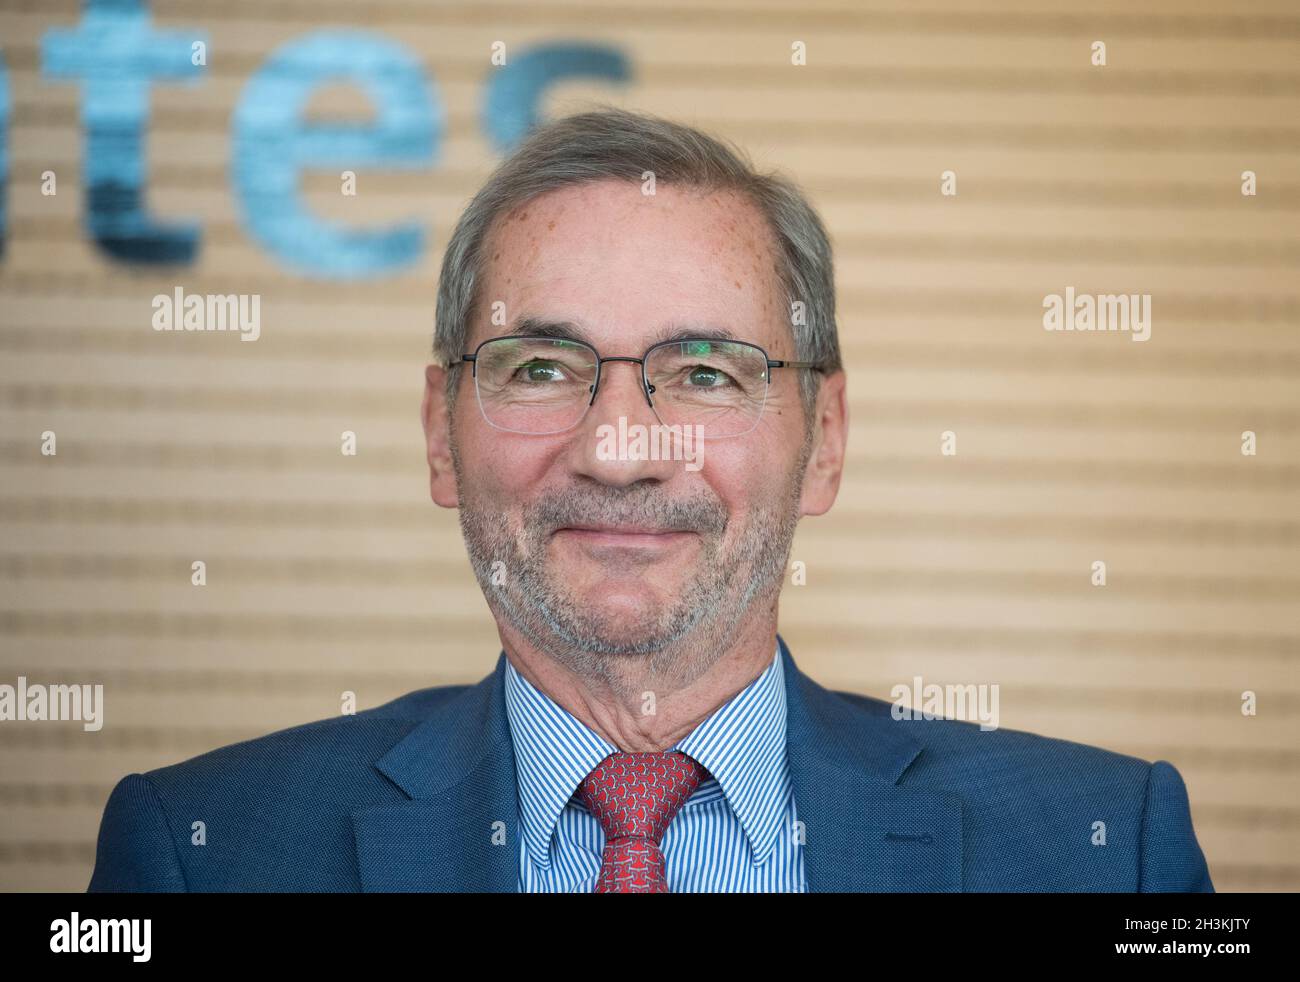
(329, 573)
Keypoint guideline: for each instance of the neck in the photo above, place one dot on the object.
(636, 709)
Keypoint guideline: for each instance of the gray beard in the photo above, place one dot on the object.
(675, 644)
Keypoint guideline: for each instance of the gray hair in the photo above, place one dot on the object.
(619, 144)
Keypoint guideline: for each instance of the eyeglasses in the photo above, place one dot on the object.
(542, 385)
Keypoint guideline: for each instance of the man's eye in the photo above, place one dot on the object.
(539, 372)
(704, 377)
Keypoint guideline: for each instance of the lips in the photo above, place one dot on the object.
(621, 529)
(625, 536)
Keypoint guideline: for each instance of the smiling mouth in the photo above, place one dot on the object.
(625, 535)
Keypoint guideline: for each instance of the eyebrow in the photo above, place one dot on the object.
(541, 327)
(694, 331)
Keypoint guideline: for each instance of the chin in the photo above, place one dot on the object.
(625, 630)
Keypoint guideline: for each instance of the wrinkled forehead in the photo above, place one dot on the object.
(626, 268)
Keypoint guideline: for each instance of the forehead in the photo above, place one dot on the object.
(626, 266)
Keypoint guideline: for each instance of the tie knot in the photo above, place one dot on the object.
(636, 795)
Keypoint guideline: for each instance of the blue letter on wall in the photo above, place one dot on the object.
(116, 54)
(271, 145)
(512, 105)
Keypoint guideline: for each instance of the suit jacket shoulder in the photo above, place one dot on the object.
(271, 813)
(1042, 813)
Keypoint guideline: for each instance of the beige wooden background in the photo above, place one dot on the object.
(329, 573)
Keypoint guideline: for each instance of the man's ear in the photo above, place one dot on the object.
(821, 479)
(437, 438)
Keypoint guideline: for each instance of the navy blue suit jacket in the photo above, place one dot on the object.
(420, 795)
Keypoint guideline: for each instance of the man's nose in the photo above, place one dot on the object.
(604, 447)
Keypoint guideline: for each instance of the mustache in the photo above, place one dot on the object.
(643, 507)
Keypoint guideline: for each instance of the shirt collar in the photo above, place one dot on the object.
(742, 744)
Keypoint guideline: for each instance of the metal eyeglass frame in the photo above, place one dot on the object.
(646, 388)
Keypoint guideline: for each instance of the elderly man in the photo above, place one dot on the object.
(645, 728)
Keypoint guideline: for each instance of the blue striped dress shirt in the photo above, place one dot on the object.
(736, 833)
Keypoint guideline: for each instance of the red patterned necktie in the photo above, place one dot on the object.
(635, 796)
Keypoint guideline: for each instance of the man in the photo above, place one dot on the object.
(623, 285)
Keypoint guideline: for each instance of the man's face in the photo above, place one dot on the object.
(595, 558)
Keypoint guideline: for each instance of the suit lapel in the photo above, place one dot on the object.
(460, 830)
(862, 830)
